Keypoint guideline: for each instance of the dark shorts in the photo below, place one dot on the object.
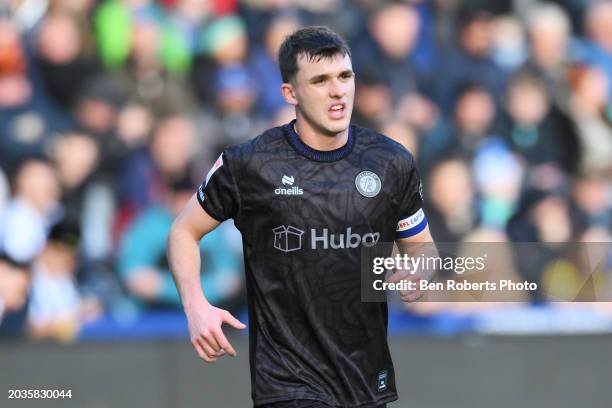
(301, 404)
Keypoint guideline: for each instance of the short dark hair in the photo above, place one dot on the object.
(66, 232)
(315, 42)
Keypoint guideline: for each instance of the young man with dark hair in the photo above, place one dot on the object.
(307, 197)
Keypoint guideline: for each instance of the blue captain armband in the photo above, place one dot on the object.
(411, 225)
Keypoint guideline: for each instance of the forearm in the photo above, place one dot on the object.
(420, 248)
(184, 259)
(208, 281)
(425, 250)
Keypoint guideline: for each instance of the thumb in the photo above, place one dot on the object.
(232, 321)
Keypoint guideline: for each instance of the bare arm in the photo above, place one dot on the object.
(421, 243)
(184, 251)
(204, 319)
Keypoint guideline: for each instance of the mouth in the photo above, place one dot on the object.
(337, 111)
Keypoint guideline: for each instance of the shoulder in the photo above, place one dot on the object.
(372, 141)
(268, 141)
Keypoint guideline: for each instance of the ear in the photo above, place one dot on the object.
(288, 94)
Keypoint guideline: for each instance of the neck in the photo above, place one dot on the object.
(318, 139)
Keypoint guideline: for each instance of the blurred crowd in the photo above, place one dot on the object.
(111, 112)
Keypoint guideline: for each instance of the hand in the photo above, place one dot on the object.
(407, 295)
(205, 331)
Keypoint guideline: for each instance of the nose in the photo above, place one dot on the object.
(337, 88)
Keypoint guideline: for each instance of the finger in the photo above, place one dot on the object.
(202, 353)
(212, 342)
(405, 275)
(412, 296)
(207, 348)
(225, 344)
(232, 321)
(399, 276)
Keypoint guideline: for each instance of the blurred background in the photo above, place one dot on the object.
(112, 111)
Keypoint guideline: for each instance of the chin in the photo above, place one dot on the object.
(338, 126)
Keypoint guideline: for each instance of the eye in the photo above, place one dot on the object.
(346, 75)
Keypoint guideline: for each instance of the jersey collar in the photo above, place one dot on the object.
(318, 155)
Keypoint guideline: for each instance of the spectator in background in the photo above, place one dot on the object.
(475, 116)
(33, 208)
(542, 220)
(509, 47)
(373, 102)
(536, 130)
(144, 76)
(172, 148)
(598, 46)
(498, 176)
(182, 31)
(472, 61)
(390, 40)
(549, 32)
(89, 203)
(87, 200)
(552, 222)
(226, 85)
(473, 122)
(14, 85)
(96, 109)
(62, 61)
(96, 112)
(224, 44)
(145, 173)
(235, 99)
(402, 134)
(393, 29)
(134, 125)
(451, 198)
(264, 63)
(592, 196)
(56, 309)
(76, 157)
(113, 26)
(14, 286)
(589, 108)
(28, 118)
(142, 259)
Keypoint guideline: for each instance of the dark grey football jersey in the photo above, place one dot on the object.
(304, 216)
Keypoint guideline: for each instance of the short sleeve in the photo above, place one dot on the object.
(218, 194)
(411, 216)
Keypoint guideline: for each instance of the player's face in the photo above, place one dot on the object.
(324, 91)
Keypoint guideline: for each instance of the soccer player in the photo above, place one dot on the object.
(307, 197)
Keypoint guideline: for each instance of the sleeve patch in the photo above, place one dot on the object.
(201, 195)
(214, 168)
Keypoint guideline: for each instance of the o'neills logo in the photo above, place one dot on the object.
(291, 190)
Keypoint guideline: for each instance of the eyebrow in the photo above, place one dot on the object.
(325, 76)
